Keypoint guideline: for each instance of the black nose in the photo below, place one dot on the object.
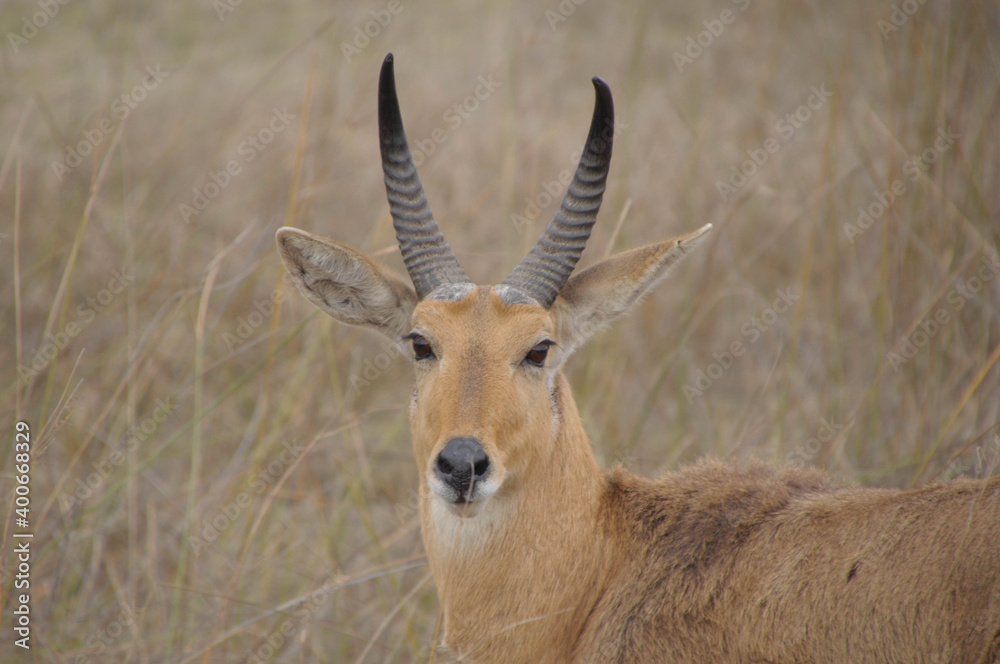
(462, 463)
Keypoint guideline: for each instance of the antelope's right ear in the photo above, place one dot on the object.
(345, 284)
(606, 290)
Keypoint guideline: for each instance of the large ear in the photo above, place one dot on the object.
(345, 284)
(595, 297)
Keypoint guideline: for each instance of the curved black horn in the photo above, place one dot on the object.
(427, 256)
(545, 269)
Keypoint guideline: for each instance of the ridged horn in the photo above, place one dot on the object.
(428, 258)
(545, 269)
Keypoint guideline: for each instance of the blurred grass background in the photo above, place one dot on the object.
(218, 479)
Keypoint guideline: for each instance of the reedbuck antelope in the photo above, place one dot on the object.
(541, 556)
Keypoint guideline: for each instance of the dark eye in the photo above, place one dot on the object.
(422, 348)
(536, 356)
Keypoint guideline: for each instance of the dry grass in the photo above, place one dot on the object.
(123, 570)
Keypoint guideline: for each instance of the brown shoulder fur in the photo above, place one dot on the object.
(764, 564)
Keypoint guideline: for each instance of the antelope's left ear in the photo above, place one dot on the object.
(595, 297)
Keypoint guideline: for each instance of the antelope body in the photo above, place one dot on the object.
(541, 556)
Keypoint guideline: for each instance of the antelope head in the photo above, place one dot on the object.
(489, 406)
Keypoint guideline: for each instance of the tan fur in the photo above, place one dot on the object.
(714, 563)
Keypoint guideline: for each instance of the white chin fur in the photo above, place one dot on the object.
(462, 529)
